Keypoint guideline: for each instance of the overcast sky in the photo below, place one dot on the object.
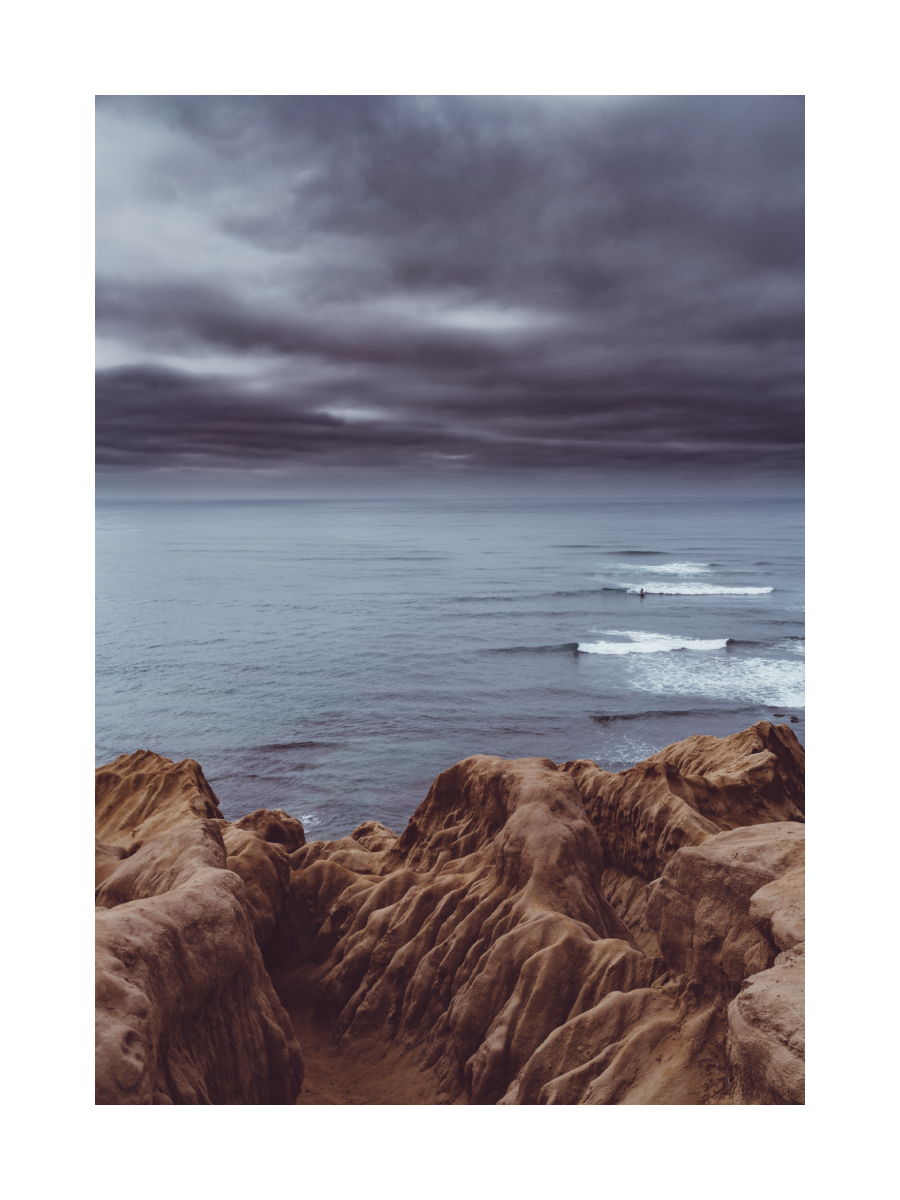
(449, 295)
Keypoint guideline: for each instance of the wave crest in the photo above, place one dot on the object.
(656, 588)
(649, 643)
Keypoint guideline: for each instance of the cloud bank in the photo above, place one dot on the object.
(305, 295)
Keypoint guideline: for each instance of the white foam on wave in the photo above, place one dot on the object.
(694, 589)
(676, 568)
(310, 820)
(794, 647)
(766, 681)
(648, 643)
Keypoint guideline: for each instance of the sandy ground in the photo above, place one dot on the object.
(366, 1071)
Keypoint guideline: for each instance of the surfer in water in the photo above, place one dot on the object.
(641, 593)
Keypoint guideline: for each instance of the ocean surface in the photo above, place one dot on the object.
(331, 657)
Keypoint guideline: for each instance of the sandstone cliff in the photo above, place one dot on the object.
(538, 934)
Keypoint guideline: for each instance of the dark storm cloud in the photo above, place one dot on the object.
(490, 284)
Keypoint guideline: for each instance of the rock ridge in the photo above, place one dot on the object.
(537, 934)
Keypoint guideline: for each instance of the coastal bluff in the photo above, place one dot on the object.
(539, 933)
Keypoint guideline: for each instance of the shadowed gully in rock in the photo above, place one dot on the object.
(537, 934)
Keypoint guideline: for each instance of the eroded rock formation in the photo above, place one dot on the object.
(186, 1011)
(538, 934)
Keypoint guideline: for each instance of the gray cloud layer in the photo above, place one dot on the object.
(297, 288)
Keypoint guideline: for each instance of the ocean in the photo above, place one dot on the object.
(331, 657)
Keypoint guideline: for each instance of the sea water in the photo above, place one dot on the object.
(331, 657)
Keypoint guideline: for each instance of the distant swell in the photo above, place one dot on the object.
(604, 718)
(585, 592)
(275, 746)
(673, 568)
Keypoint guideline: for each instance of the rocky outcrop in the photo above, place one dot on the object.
(691, 791)
(682, 1042)
(543, 934)
(701, 906)
(142, 794)
(186, 1011)
(535, 935)
(766, 1043)
(257, 848)
(372, 835)
(476, 934)
(680, 797)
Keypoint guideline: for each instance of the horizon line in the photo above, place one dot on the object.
(418, 499)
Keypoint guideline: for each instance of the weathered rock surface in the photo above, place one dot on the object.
(106, 860)
(186, 1012)
(536, 935)
(372, 835)
(475, 935)
(484, 938)
(647, 1046)
(713, 910)
(142, 794)
(257, 848)
(701, 907)
(766, 1042)
(275, 827)
(681, 796)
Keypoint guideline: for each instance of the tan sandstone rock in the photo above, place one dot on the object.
(684, 794)
(374, 836)
(186, 1012)
(478, 933)
(536, 935)
(700, 907)
(766, 1039)
(482, 940)
(143, 794)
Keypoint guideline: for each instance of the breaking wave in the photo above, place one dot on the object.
(656, 588)
(648, 643)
